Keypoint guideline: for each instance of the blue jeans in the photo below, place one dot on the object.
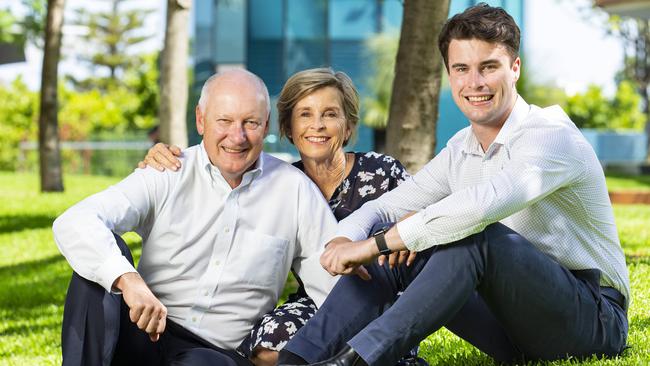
(493, 289)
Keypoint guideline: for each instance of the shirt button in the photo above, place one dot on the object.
(227, 229)
(217, 262)
(206, 293)
(194, 319)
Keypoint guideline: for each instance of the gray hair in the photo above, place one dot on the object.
(205, 89)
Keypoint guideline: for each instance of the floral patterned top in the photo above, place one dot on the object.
(372, 175)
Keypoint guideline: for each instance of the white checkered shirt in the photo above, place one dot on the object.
(540, 177)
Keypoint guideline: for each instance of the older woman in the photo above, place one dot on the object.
(318, 112)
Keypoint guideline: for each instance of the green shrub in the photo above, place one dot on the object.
(18, 121)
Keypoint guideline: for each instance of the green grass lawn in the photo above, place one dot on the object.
(34, 276)
(620, 182)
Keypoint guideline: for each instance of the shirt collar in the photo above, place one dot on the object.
(518, 113)
(215, 176)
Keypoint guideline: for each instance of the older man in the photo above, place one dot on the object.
(519, 252)
(219, 238)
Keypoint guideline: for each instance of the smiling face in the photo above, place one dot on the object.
(233, 123)
(318, 125)
(482, 77)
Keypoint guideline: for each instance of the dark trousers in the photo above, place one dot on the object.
(493, 289)
(97, 331)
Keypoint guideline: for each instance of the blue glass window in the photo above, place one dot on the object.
(352, 19)
(265, 19)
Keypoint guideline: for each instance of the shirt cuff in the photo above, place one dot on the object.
(351, 232)
(413, 232)
(111, 269)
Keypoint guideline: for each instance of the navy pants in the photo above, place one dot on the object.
(97, 331)
(493, 289)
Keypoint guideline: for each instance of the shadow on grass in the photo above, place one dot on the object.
(38, 282)
(27, 328)
(12, 223)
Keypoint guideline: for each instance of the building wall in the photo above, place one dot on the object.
(276, 38)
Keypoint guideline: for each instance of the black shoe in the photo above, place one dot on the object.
(412, 361)
(347, 357)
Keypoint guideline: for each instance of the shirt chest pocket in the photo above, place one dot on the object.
(259, 258)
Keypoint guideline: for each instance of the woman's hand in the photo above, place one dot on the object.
(162, 156)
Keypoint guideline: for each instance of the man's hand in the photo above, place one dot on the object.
(401, 256)
(397, 258)
(343, 256)
(162, 156)
(146, 310)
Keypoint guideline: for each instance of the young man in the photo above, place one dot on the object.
(518, 250)
(219, 238)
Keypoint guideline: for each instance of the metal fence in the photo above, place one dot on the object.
(116, 158)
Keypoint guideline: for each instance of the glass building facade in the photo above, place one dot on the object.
(276, 38)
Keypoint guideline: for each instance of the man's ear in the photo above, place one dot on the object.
(516, 68)
(268, 123)
(200, 121)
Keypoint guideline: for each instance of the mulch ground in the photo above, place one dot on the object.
(630, 197)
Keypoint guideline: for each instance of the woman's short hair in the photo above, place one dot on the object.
(308, 81)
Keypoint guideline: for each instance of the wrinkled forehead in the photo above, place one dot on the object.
(245, 98)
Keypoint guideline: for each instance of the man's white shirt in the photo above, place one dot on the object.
(540, 177)
(216, 257)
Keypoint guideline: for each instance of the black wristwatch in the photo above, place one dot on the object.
(380, 240)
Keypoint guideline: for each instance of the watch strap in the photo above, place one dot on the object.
(380, 241)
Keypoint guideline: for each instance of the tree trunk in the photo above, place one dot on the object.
(411, 129)
(173, 75)
(48, 124)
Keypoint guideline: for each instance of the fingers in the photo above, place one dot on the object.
(145, 318)
(411, 258)
(163, 323)
(166, 155)
(392, 259)
(403, 256)
(135, 312)
(150, 161)
(175, 150)
(381, 260)
(167, 159)
(142, 165)
(397, 258)
(162, 156)
(362, 272)
(151, 318)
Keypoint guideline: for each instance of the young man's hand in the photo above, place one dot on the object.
(145, 310)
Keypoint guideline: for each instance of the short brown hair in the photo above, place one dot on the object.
(308, 81)
(483, 22)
